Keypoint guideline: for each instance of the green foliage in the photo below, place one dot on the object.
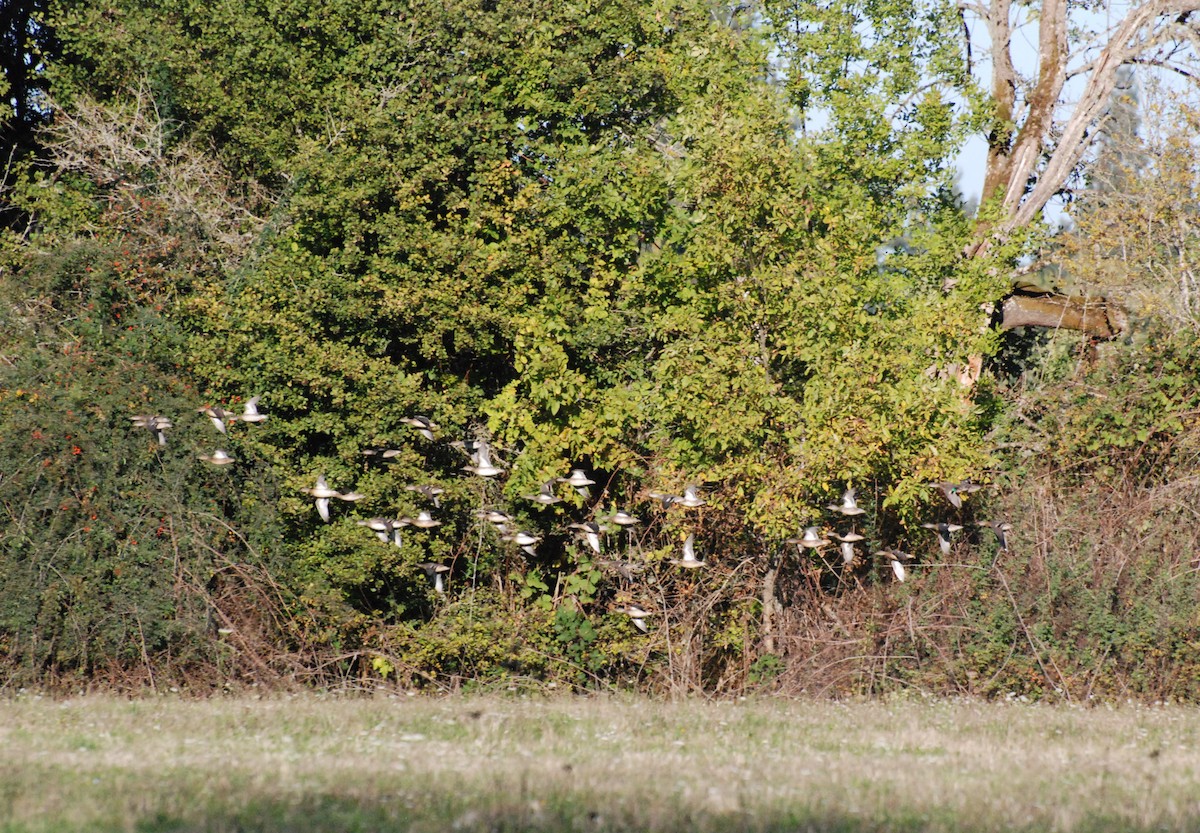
(1127, 420)
(885, 84)
(113, 542)
(577, 640)
(588, 233)
(27, 42)
(1095, 598)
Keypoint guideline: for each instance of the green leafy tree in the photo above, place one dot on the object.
(590, 235)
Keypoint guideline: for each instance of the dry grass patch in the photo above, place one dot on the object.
(312, 763)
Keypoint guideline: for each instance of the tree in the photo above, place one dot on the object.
(123, 559)
(26, 42)
(1135, 226)
(842, 66)
(591, 236)
(1034, 147)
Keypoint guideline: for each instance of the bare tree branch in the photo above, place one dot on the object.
(1031, 155)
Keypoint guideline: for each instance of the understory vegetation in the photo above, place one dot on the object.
(592, 237)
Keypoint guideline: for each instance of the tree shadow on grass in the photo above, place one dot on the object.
(335, 814)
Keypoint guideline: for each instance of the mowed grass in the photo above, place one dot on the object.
(315, 763)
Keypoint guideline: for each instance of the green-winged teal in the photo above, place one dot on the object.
(422, 424)
(546, 496)
(954, 492)
(158, 425)
(1001, 530)
(423, 521)
(322, 493)
(250, 412)
(811, 539)
(429, 491)
(591, 534)
(434, 572)
(637, 614)
(527, 541)
(481, 462)
(849, 506)
(943, 531)
(689, 560)
(386, 529)
(219, 416)
(579, 481)
(622, 518)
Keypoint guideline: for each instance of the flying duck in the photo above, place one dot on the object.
(429, 490)
(482, 460)
(250, 411)
(954, 491)
(943, 531)
(322, 493)
(423, 424)
(591, 533)
(546, 496)
(434, 572)
(811, 539)
(219, 416)
(691, 499)
(848, 506)
(847, 545)
(387, 529)
(1001, 529)
(689, 559)
(579, 481)
(895, 558)
(637, 614)
(525, 540)
(157, 424)
(423, 521)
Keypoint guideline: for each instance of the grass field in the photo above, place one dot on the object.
(475, 764)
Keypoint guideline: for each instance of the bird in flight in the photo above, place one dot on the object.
(691, 498)
(434, 572)
(423, 424)
(481, 462)
(943, 531)
(387, 529)
(848, 506)
(1001, 530)
(591, 534)
(157, 424)
(689, 559)
(250, 412)
(321, 493)
(811, 539)
(546, 496)
(847, 545)
(954, 492)
(219, 416)
(637, 614)
(895, 559)
(622, 518)
(429, 490)
(423, 521)
(527, 541)
(579, 481)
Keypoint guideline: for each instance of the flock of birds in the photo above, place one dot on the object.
(482, 464)
(849, 508)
